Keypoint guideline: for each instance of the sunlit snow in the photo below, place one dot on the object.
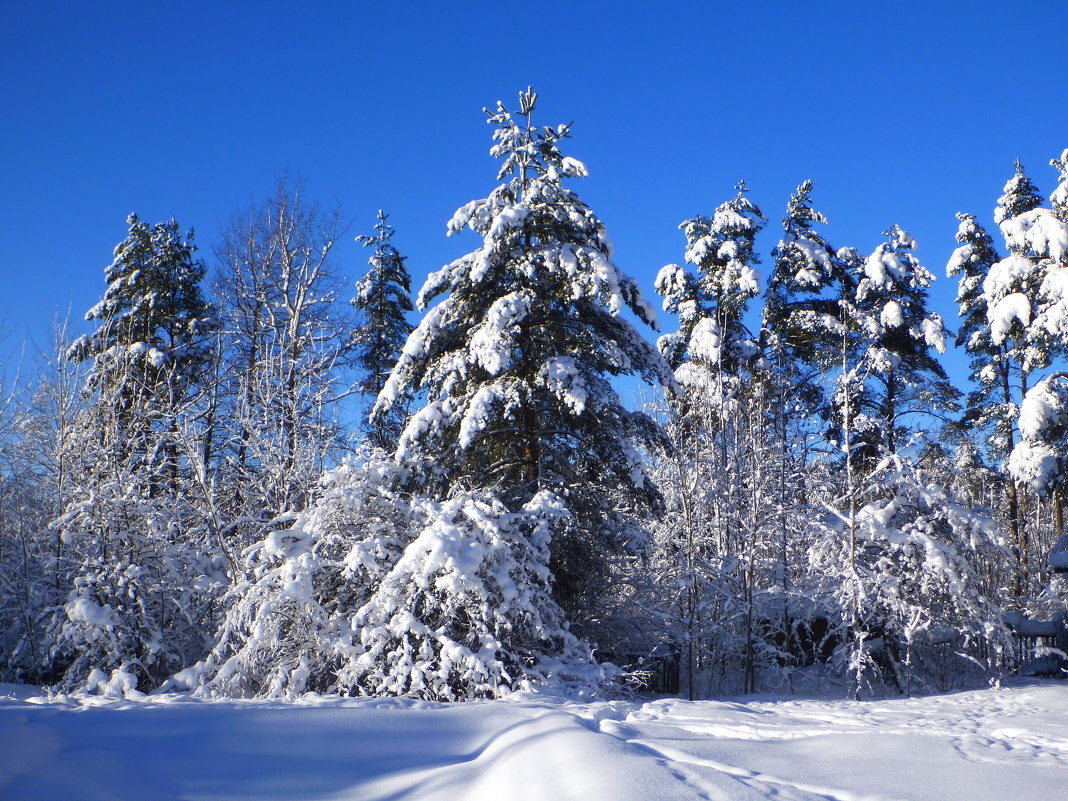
(987, 745)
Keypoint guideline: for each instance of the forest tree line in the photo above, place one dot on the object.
(182, 505)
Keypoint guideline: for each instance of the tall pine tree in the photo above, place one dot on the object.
(383, 297)
(144, 585)
(902, 333)
(517, 358)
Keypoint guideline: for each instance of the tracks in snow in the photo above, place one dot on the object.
(708, 745)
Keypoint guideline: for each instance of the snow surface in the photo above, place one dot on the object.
(982, 745)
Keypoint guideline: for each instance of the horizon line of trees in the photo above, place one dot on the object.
(182, 505)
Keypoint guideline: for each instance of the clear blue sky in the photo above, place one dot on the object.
(193, 109)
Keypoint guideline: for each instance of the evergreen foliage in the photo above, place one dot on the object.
(797, 502)
(145, 576)
(712, 334)
(383, 296)
(516, 359)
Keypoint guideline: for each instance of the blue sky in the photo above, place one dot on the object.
(902, 115)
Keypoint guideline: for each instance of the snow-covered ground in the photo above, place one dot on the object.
(1000, 745)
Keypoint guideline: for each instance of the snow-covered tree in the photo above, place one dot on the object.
(383, 297)
(800, 312)
(154, 329)
(990, 368)
(712, 335)
(1044, 235)
(287, 332)
(145, 573)
(37, 439)
(802, 332)
(727, 547)
(995, 362)
(1040, 460)
(1019, 196)
(467, 611)
(1011, 286)
(1026, 310)
(516, 360)
(901, 334)
(904, 573)
(372, 591)
(288, 629)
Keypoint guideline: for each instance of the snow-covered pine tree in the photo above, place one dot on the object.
(383, 296)
(145, 568)
(1024, 296)
(801, 333)
(799, 313)
(712, 335)
(1039, 460)
(154, 326)
(987, 407)
(515, 362)
(995, 360)
(1011, 286)
(1045, 235)
(885, 372)
(902, 332)
(1019, 196)
(289, 627)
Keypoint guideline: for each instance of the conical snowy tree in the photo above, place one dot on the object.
(467, 611)
(799, 313)
(1012, 285)
(1019, 196)
(289, 629)
(991, 370)
(147, 573)
(154, 326)
(383, 297)
(902, 333)
(516, 359)
(712, 336)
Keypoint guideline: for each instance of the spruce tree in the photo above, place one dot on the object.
(516, 361)
(152, 338)
(799, 313)
(146, 573)
(990, 368)
(383, 297)
(1019, 196)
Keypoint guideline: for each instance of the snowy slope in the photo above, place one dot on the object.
(993, 744)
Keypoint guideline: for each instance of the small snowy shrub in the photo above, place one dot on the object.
(287, 630)
(912, 579)
(466, 611)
